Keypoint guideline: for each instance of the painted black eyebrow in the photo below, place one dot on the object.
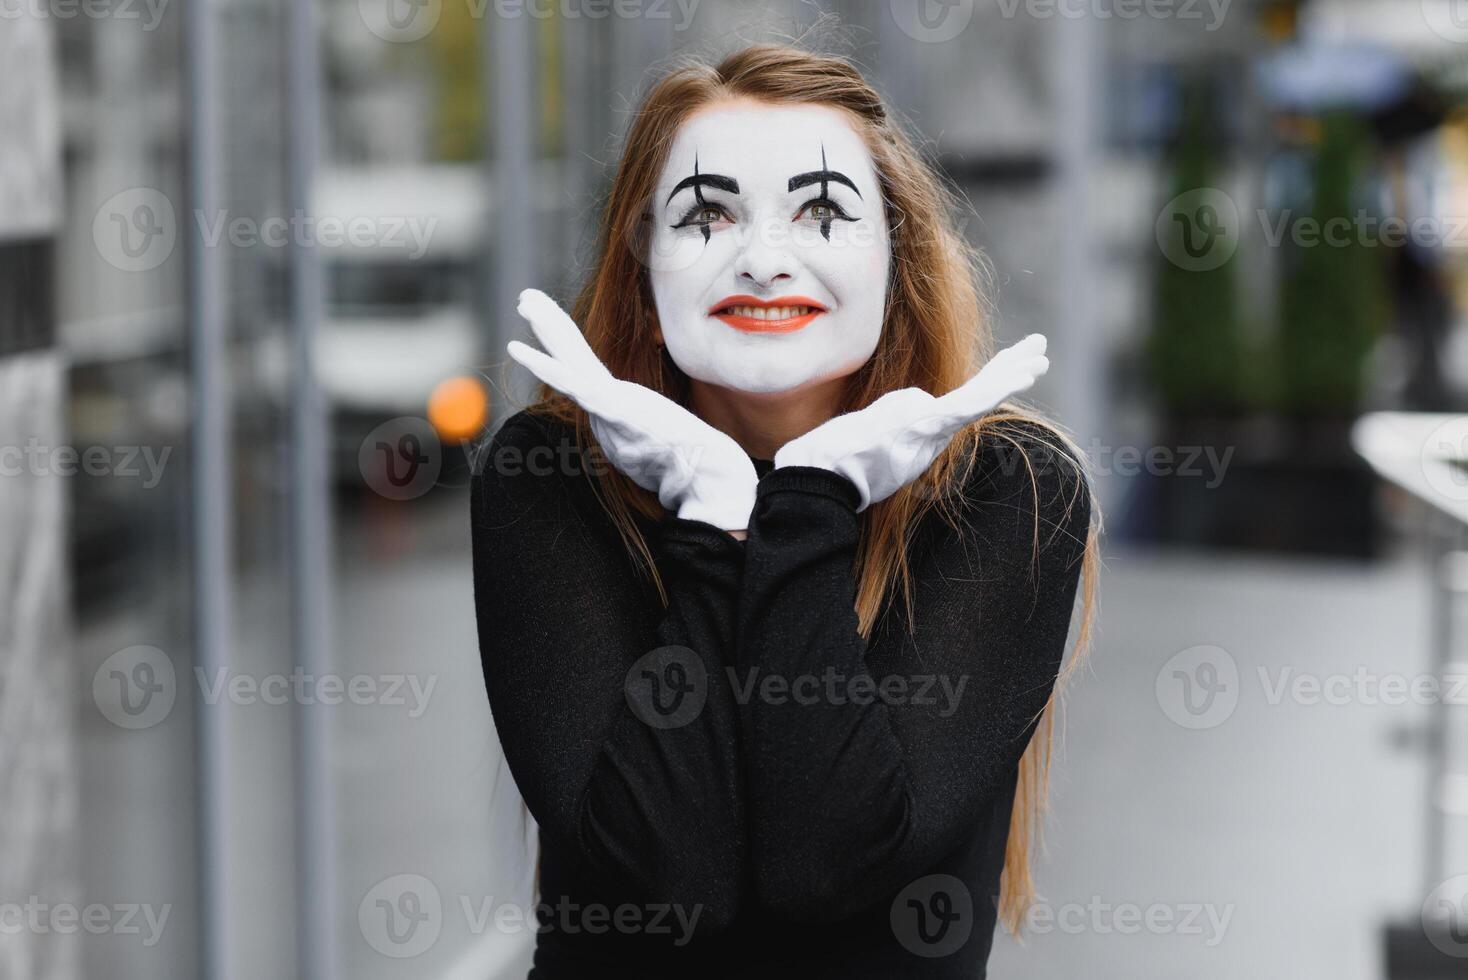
(821, 177)
(718, 181)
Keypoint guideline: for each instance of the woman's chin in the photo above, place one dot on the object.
(769, 383)
(792, 372)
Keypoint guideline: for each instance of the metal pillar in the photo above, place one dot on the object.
(211, 482)
(1077, 384)
(509, 128)
(311, 518)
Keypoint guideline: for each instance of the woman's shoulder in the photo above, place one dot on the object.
(531, 455)
(1021, 449)
(1025, 473)
(530, 429)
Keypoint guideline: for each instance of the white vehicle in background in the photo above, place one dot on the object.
(400, 284)
(402, 261)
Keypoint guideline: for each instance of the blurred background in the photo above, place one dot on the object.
(258, 260)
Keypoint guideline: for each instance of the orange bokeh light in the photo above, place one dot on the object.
(458, 408)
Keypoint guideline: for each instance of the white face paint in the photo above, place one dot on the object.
(769, 252)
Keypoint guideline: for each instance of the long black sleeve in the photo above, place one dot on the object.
(645, 796)
(877, 761)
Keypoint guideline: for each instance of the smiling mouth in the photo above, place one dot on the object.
(784, 314)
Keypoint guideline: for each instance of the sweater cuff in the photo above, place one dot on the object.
(699, 534)
(811, 479)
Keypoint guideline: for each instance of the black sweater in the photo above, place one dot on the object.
(737, 784)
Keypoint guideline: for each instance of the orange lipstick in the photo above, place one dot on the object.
(783, 314)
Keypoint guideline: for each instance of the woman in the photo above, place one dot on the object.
(772, 593)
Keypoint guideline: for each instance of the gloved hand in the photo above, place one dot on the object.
(697, 471)
(890, 443)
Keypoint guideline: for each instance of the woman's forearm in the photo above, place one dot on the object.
(616, 721)
(869, 763)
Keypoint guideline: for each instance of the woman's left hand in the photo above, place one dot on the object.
(697, 471)
(890, 443)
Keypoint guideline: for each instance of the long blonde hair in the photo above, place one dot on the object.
(935, 336)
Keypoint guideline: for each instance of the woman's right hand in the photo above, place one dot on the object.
(697, 471)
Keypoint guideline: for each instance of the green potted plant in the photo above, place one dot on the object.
(1279, 408)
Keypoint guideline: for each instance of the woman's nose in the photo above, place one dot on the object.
(765, 258)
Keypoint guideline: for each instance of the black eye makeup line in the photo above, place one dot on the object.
(697, 182)
(824, 177)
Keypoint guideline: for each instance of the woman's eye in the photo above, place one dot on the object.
(823, 210)
(704, 215)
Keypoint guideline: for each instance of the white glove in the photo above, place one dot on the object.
(890, 443)
(697, 471)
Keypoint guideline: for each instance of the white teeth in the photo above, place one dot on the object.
(769, 312)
